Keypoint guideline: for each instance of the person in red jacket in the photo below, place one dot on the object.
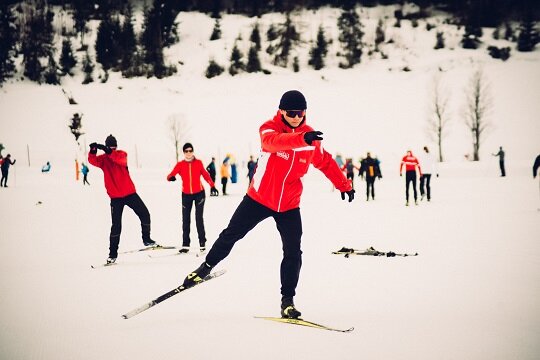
(411, 163)
(190, 170)
(288, 147)
(121, 190)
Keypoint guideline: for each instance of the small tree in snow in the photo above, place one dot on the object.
(179, 128)
(439, 118)
(477, 110)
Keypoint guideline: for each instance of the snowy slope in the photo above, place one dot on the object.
(470, 294)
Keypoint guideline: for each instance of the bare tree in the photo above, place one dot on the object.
(439, 117)
(179, 128)
(477, 109)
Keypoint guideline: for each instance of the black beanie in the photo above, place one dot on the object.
(110, 141)
(187, 146)
(293, 100)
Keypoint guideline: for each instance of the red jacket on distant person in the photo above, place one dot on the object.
(118, 183)
(410, 162)
(284, 160)
(191, 172)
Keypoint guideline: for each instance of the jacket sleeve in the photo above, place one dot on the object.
(95, 160)
(206, 176)
(175, 171)
(272, 140)
(323, 161)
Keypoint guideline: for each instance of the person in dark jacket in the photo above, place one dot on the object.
(500, 154)
(349, 168)
(211, 168)
(288, 147)
(85, 170)
(369, 168)
(121, 190)
(251, 165)
(6, 163)
(190, 170)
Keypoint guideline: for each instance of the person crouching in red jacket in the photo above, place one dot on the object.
(288, 147)
(121, 190)
(190, 170)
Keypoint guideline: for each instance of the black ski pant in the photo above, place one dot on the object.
(351, 177)
(501, 165)
(370, 185)
(134, 202)
(187, 204)
(289, 224)
(425, 187)
(410, 177)
(3, 181)
(224, 185)
(85, 179)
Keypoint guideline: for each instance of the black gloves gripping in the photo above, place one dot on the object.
(95, 146)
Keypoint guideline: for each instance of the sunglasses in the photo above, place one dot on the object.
(294, 113)
(188, 151)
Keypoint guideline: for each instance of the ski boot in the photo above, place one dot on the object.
(288, 310)
(183, 250)
(197, 276)
(111, 260)
(149, 243)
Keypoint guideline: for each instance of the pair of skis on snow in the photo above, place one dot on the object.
(181, 288)
(148, 248)
(370, 252)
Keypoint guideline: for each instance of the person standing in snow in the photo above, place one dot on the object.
(288, 147)
(429, 166)
(225, 175)
(211, 168)
(251, 165)
(349, 168)
(500, 154)
(190, 170)
(121, 190)
(411, 163)
(536, 165)
(6, 163)
(369, 167)
(85, 170)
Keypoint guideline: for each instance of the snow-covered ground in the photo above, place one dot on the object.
(472, 293)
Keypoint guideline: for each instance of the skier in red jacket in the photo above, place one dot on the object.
(411, 163)
(288, 147)
(190, 170)
(121, 190)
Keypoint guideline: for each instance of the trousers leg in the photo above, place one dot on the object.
(199, 221)
(117, 208)
(422, 184)
(187, 204)
(428, 186)
(137, 205)
(289, 225)
(247, 215)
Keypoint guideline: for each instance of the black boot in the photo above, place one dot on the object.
(197, 276)
(288, 310)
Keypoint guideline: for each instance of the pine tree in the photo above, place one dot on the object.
(296, 64)
(471, 37)
(350, 37)
(318, 51)
(108, 47)
(253, 63)
(50, 74)
(528, 36)
(213, 69)
(8, 36)
(287, 38)
(440, 41)
(128, 42)
(216, 32)
(379, 34)
(255, 37)
(67, 59)
(88, 69)
(82, 10)
(237, 65)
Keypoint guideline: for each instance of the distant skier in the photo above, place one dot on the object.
(288, 147)
(536, 165)
(369, 167)
(6, 163)
(46, 168)
(121, 190)
(429, 166)
(211, 168)
(85, 170)
(251, 165)
(190, 170)
(349, 168)
(411, 163)
(225, 175)
(500, 154)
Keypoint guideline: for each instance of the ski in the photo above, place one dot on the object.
(169, 294)
(148, 248)
(102, 265)
(370, 252)
(302, 322)
(198, 254)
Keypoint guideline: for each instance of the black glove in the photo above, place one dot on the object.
(380, 177)
(172, 178)
(310, 136)
(350, 193)
(213, 191)
(93, 148)
(400, 174)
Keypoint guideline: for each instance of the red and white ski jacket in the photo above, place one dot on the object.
(118, 183)
(191, 172)
(410, 162)
(284, 159)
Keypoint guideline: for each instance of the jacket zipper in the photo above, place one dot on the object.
(190, 180)
(285, 178)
